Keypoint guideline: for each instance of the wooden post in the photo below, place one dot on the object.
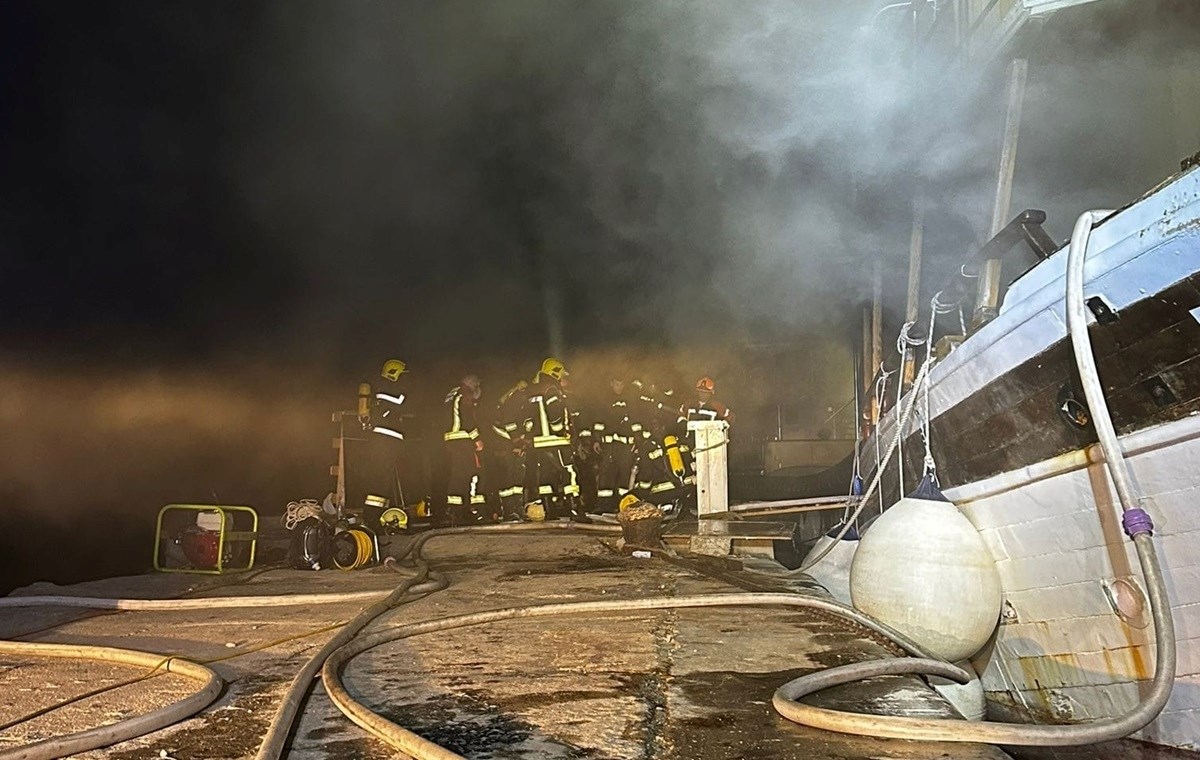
(876, 335)
(712, 485)
(987, 298)
(913, 306)
(868, 372)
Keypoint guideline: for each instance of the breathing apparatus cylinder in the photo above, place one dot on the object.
(674, 455)
(364, 403)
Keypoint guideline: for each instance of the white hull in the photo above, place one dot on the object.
(1055, 533)
(1052, 522)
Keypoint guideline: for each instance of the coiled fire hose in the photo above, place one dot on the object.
(103, 736)
(362, 545)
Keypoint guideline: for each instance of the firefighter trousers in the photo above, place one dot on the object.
(613, 475)
(507, 476)
(464, 496)
(550, 479)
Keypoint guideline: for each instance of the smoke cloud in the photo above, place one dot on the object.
(216, 219)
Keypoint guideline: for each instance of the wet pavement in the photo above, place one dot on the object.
(656, 684)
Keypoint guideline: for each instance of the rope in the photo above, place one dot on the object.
(724, 442)
(880, 395)
(298, 511)
(906, 409)
(928, 465)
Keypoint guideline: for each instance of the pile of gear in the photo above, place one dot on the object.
(322, 536)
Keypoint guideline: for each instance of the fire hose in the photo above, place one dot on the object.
(424, 582)
(281, 725)
(417, 747)
(211, 683)
(129, 728)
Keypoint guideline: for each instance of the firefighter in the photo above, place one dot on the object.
(614, 445)
(657, 480)
(705, 407)
(507, 462)
(585, 451)
(373, 462)
(550, 481)
(462, 447)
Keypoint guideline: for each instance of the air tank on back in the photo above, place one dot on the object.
(923, 569)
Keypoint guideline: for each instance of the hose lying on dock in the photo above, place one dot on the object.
(199, 603)
(103, 736)
(423, 583)
(285, 716)
(130, 728)
(422, 749)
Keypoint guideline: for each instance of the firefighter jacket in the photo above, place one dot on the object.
(547, 418)
(460, 402)
(510, 412)
(613, 425)
(645, 411)
(698, 411)
(383, 411)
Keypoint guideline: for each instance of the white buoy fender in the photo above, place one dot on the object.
(833, 571)
(923, 569)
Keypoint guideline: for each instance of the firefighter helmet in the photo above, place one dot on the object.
(706, 384)
(392, 369)
(554, 368)
(535, 512)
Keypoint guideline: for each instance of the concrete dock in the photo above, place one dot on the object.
(669, 684)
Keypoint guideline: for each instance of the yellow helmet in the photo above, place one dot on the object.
(627, 502)
(554, 368)
(392, 369)
(535, 512)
